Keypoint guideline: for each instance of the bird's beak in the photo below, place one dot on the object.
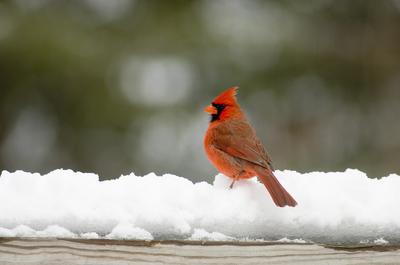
(211, 109)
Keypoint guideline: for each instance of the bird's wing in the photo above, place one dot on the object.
(238, 139)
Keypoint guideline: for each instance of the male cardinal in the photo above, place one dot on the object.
(232, 146)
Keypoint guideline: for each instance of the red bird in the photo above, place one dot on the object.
(233, 148)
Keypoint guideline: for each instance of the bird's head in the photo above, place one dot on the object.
(224, 106)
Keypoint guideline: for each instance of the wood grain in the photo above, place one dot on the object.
(44, 251)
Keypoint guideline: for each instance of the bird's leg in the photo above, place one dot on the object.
(233, 182)
(235, 178)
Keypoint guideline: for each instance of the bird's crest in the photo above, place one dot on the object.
(228, 97)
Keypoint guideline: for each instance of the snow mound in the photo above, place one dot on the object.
(295, 240)
(332, 207)
(128, 231)
(201, 234)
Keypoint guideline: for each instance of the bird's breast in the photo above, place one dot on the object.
(225, 163)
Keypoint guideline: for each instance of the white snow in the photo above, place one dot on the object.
(295, 240)
(201, 234)
(333, 207)
(128, 231)
(26, 231)
(55, 231)
(381, 241)
(89, 235)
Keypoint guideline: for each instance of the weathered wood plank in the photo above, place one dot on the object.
(82, 252)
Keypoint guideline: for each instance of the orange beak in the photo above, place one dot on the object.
(211, 109)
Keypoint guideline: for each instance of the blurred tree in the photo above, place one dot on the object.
(118, 86)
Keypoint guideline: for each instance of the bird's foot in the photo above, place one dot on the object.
(231, 186)
(235, 178)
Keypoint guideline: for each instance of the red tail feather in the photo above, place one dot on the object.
(278, 193)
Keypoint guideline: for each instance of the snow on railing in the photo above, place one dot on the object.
(332, 207)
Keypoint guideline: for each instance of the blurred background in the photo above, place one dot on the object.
(114, 87)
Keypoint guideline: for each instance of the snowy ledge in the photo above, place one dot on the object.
(334, 207)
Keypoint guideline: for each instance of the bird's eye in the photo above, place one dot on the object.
(219, 107)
